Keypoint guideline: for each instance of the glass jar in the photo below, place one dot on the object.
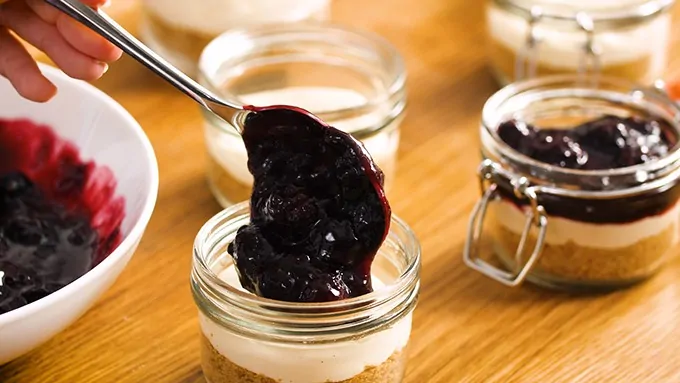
(246, 338)
(618, 38)
(179, 30)
(352, 80)
(569, 228)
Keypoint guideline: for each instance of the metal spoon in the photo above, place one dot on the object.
(102, 24)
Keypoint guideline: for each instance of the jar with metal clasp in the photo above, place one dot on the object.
(617, 38)
(577, 225)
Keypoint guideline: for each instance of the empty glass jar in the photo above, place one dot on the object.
(354, 81)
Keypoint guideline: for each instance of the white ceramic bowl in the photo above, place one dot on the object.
(105, 132)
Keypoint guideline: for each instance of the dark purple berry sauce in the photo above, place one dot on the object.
(318, 210)
(59, 216)
(609, 142)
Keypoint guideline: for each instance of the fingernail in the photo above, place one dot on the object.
(105, 67)
(106, 4)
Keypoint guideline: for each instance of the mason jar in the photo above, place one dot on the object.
(568, 228)
(246, 338)
(179, 30)
(352, 80)
(618, 38)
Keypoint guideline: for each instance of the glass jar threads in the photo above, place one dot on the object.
(626, 39)
(352, 80)
(580, 183)
(246, 338)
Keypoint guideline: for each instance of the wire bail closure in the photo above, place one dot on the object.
(526, 62)
(488, 173)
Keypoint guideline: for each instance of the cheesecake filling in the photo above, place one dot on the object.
(637, 52)
(590, 253)
(377, 357)
(565, 231)
(212, 17)
(181, 29)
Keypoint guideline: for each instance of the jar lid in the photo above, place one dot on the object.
(618, 11)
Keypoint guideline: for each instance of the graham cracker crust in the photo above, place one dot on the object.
(503, 59)
(591, 266)
(218, 369)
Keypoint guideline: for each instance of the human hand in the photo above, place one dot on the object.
(78, 51)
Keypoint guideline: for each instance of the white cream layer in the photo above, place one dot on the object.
(563, 48)
(213, 17)
(230, 153)
(306, 363)
(604, 236)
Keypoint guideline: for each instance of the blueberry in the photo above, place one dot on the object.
(302, 283)
(15, 283)
(25, 232)
(15, 184)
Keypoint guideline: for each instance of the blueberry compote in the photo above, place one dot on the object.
(318, 210)
(608, 142)
(58, 215)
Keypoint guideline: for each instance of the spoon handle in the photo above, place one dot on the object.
(102, 24)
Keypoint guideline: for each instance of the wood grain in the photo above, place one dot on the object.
(467, 328)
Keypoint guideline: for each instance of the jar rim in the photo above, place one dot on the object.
(492, 105)
(221, 49)
(641, 9)
(406, 284)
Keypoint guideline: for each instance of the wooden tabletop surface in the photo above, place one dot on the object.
(467, 328)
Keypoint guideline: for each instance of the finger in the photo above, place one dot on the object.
(50, 13)
(86, 41)
(17, 65)
(44, 10)
(18, 17)
(76, 34)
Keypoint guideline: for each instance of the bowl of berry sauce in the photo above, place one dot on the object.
(78, 185)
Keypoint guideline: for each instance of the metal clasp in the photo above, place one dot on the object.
(488, 172)
(526, 61)
(590, 62)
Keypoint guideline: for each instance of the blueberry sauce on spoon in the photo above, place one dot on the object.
(318, 210)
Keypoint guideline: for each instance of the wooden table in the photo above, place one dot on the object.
(467, 328)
